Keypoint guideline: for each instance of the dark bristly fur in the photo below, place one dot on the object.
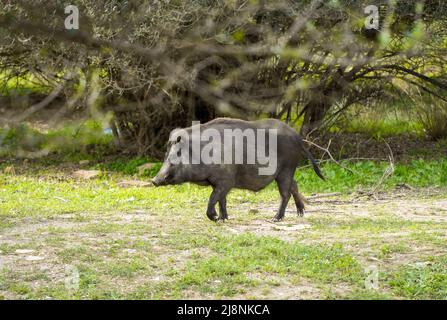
(224, 177)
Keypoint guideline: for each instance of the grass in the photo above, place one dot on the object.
(130, 167)
(237, 255)
(426, 280)
(109, 242)
(52, 193)
(70, 142)
(157, 243)
(380, 121)
(112, 242)
(389, 126)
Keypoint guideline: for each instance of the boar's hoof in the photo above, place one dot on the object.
(223, 219)
(301, 213)
(277, 219)
(213, 218)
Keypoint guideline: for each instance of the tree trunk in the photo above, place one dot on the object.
(314, 116)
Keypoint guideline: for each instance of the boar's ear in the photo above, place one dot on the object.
(173, 132)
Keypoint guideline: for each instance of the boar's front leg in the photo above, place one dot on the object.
(219, 194)
(211, 211)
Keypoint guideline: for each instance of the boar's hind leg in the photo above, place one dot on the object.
(223, 215)
(218, 194)
(284, 181)
(298, 199)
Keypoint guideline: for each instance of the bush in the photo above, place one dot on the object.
(433, 116)
(158, 65)
(74, 139)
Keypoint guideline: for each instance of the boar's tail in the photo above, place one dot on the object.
(312, 160)
(315, 165)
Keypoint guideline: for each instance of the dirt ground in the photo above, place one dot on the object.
(414, 219)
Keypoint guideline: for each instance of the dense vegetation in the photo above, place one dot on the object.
(85, 115)
(156, 65)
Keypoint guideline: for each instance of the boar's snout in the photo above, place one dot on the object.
(158, 181)
(155, 182)
(163, 176)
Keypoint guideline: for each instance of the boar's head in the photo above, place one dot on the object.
(175, 166)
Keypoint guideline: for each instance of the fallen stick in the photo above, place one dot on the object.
(323, 195)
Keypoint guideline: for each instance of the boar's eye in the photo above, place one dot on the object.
(179, 138)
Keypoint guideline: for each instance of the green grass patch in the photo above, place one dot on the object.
(78, 141)
(380, 121)
(47, 197)
(130, 166)
(238, 255)
(426, 280)
(384, 127)
(417, 173)
(156, 243)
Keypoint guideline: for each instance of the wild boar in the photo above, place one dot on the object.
(229, 153)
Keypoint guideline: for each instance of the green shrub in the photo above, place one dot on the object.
(73, 139)
(433, 116)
